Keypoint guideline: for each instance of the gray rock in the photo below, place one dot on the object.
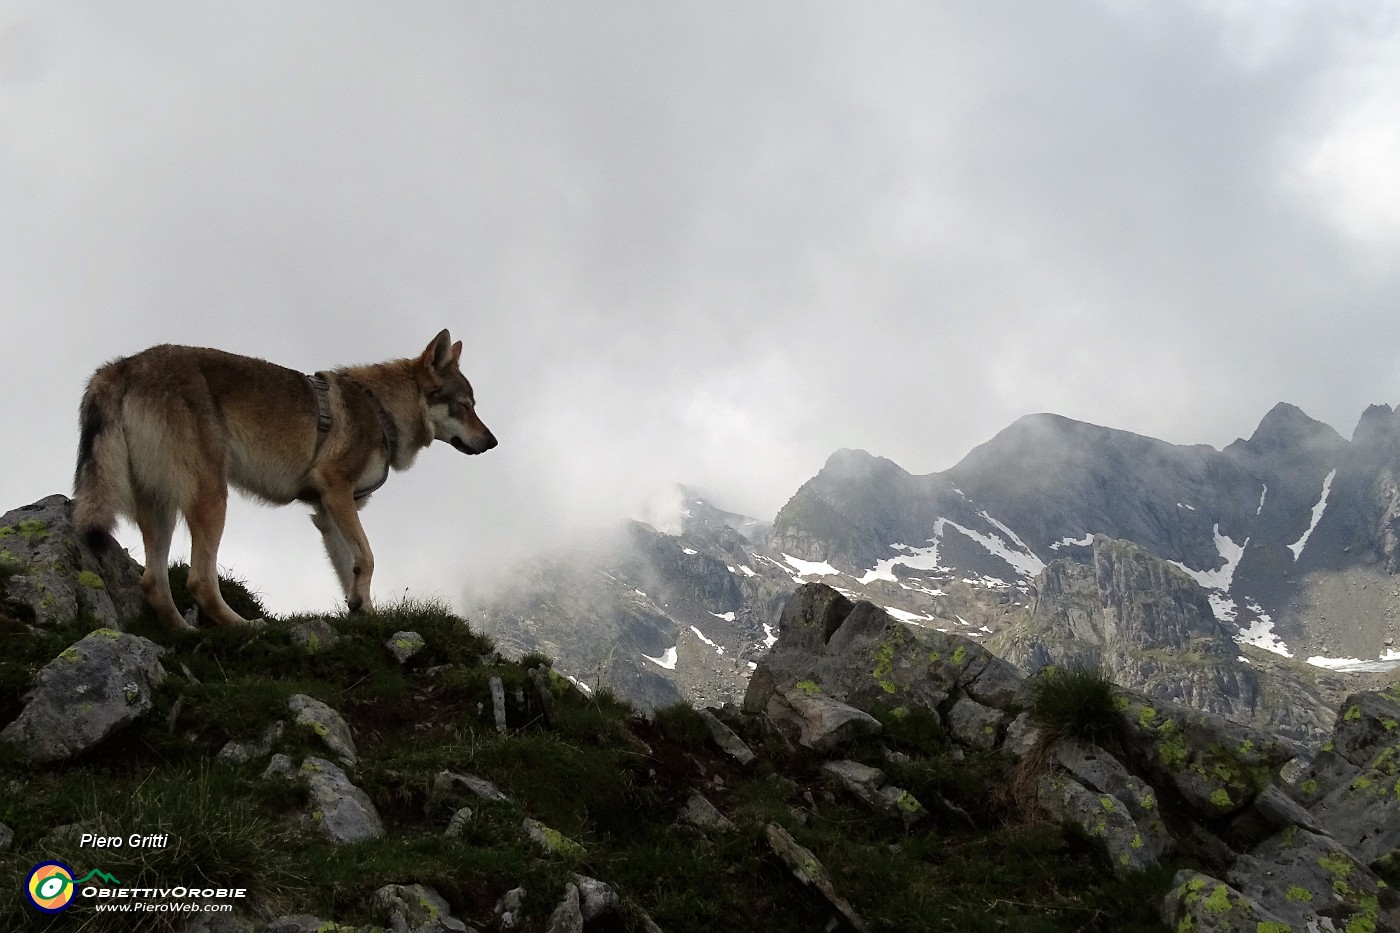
(868, 784)
(975, 725)
(1307, 879)
(92, 689)
(810, 871)
(1366, 724)
(1021, 736)
(551, 841)
(447, 782)
(404, 645)
(1102, 816)
(1217, 766)
(457, 825)
(568, 916)
(239, 752)
(327, 724)
(858, 654)
(509, 909)
(416, 908)
(1102, 773)
(1202, 904)
(724, 737)
(596, 898)
(498, 703)
(823, 724)
(7, 837)
(341, 811)
(51, 577)
(314, 635)
(279, 767)
(702, 814)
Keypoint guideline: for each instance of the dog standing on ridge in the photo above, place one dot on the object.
(166, 432)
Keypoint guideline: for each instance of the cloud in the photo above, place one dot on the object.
(707, 243)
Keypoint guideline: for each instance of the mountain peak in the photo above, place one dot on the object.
(1288, 425)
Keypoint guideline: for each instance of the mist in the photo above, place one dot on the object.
(703, 244)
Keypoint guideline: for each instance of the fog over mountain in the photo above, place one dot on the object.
(700, 243)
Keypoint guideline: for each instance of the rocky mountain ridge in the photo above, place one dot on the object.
(391, 771)
(1284, 543)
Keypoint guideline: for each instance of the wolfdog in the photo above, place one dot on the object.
(168, 430)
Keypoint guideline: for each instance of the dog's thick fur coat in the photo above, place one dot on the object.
(165, 433)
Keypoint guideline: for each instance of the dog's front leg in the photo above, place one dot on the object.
(350, 553)
(337, 549)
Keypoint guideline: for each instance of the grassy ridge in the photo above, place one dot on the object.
(594, 771)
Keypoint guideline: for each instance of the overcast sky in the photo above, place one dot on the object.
(708, 242)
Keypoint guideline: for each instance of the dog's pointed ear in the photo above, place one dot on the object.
(438, 353)
(457, 353)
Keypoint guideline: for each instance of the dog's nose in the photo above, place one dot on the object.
(490, 442)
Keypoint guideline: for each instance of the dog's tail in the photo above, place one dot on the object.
(102, 486)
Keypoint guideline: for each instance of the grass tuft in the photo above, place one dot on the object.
(1076, 703)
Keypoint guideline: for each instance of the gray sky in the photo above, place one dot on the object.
(708, 242)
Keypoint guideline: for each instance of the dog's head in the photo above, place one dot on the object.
(451, 402)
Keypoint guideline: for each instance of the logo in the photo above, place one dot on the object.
(50, 885)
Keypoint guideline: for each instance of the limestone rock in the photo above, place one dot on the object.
(240, 752)
(279, 767)
(724, 737)
(810, 872)
(416, 908)
(448, 781)
(103, 682)
(596, 898)
(341, 811)
(568, 916)
(509, 909)
(823, 724)
(404, 645)
(858, 654)
(868, 784)
(1100, 815)
(702, 814)
(314, 635)
(327, 724)
(975, 725)
(1102, 773)
(1217, 766)
(551, 841)
(1202, 904)
(51, 577)
(1306, 879)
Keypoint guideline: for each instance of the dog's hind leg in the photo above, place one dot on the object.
(157, 524)
(205, 516)
(337, 549)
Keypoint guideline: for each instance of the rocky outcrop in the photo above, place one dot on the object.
(48, 576)
(98, 685)
(1151, 627)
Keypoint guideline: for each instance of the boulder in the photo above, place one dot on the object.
(975, 725)
(724, 737)
(49, 577)
(1307, 880)
(868, 784)
(568, 916)
(404, 645)
(810, 871)
(1102, 773)
(327, 724)
(1217, 766)
(1102, 816)
(702, 814)
(860, 655)
(822, 723)
(240, 752)
(551, 841)
(416, 908)
(103, 682)
(341, 811)
(1202, 904)
(314, 635)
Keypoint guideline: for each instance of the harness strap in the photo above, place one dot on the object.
(321, 387)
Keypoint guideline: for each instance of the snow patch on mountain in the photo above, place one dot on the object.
(806, 568)
(1085, 541)
(1023, 561)
(1386, 662)
(701, 635)
(1297, 546)
(667, 660)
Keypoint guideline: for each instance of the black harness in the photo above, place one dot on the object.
(321, 387)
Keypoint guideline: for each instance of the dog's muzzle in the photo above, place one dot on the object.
(480, 447)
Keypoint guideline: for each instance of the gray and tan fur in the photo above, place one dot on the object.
(165, 432)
